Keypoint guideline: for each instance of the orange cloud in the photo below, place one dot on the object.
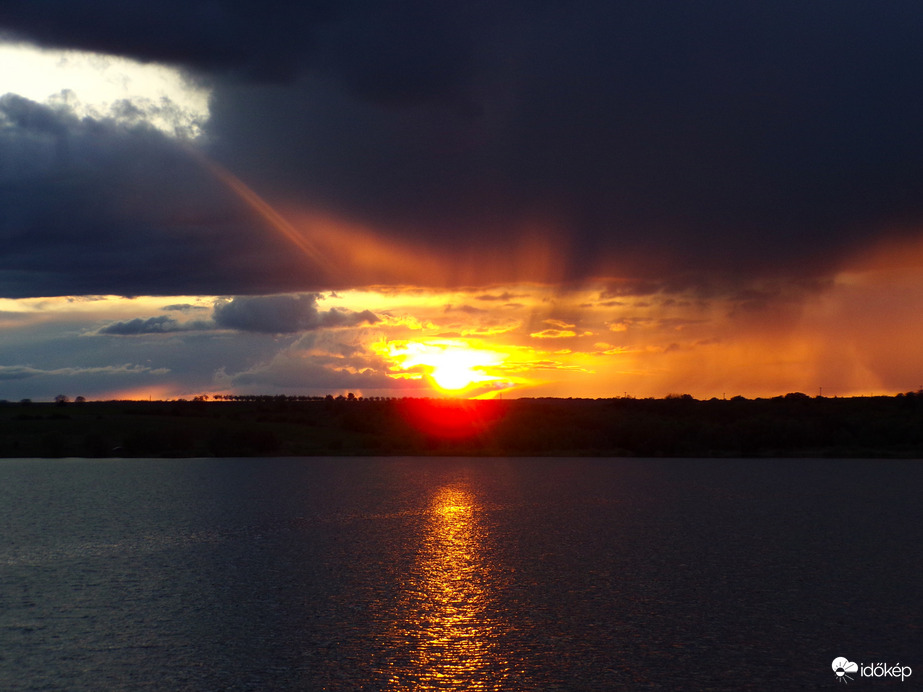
(553, 334)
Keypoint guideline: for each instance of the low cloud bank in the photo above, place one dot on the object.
(275, 314)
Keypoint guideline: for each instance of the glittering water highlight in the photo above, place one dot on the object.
(445, 613)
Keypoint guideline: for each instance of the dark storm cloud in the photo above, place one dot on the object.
(284, 314)
(420, 49)
(661, 141)
(244, 35)
(95, 207)
(676, 140)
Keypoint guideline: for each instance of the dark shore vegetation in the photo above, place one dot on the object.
(794, 425)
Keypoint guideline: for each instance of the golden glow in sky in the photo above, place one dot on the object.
(849, 338)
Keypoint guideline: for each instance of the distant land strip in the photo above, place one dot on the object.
(793, 425)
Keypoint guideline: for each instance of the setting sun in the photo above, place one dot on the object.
(453, 366)
(455, 369)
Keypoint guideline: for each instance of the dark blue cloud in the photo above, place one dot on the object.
(243, 36)
(677, 141)
(151, 325)
(284, 314)
(733, 138)
(162, 324)
(94, 207)
(273, 314)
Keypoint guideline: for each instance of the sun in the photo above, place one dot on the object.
(453, 366)
(455, 369)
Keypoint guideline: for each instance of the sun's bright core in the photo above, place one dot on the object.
(456, 369)
(453, 366)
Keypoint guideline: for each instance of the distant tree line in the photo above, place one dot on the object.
(269, 398)
(268, 425)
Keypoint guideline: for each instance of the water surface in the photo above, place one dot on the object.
(455, 574)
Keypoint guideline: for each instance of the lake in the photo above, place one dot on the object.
(456, 573)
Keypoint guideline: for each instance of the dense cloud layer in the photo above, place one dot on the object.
(274, 314)
(677, 142)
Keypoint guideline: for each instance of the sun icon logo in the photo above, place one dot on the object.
(841, 666)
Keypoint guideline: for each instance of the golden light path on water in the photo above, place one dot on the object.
(447, 623)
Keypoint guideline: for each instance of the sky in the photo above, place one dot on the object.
(477, 199)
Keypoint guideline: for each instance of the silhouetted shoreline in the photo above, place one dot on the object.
(794, 425)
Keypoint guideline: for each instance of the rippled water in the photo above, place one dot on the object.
(455, 574)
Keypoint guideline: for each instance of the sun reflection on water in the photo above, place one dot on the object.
(448, 625)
